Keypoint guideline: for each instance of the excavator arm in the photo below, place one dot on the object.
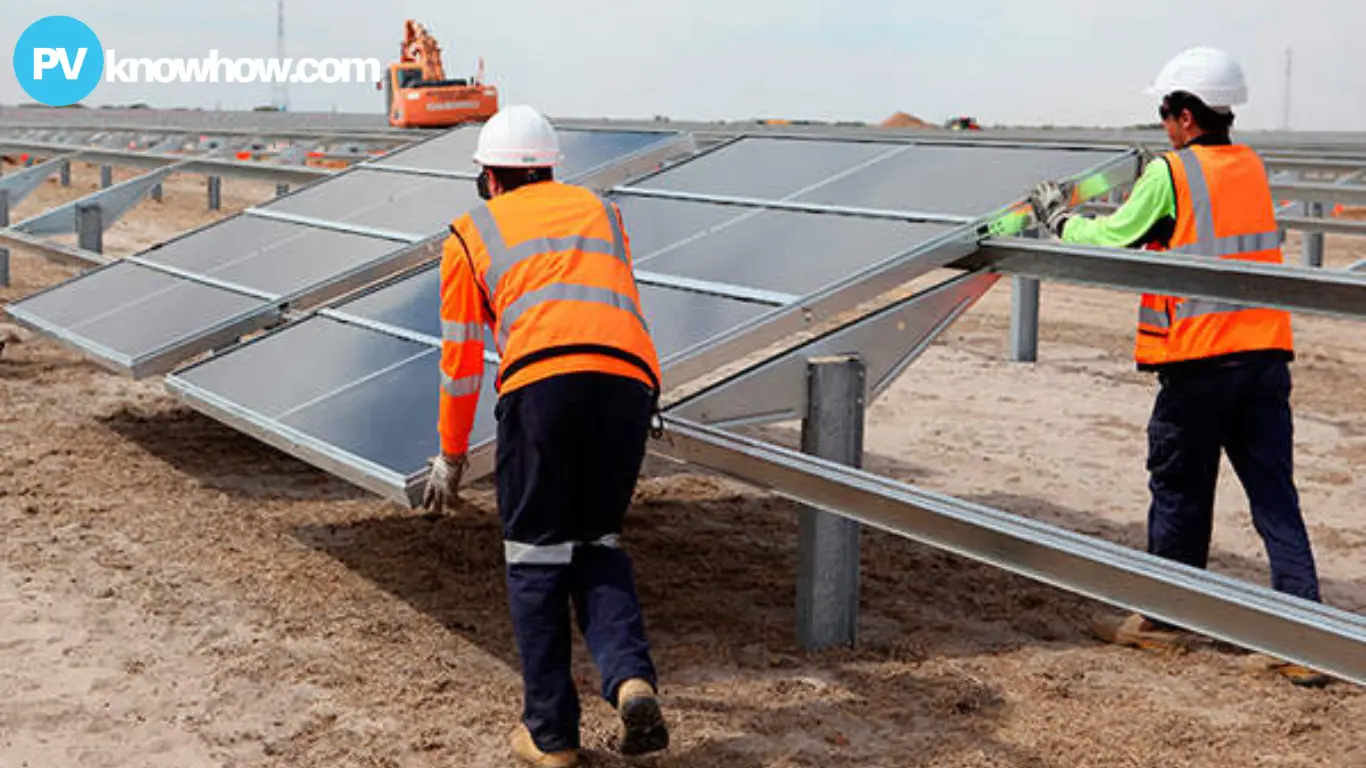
(420, 47)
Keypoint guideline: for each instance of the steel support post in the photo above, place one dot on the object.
(1313, 241)
(106, 176)
(4, 252)
(1024, 319)
(828, 545)
(281, 189)
(66, 173)
(90, 227)
(215, 193)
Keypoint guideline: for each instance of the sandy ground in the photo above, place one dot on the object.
(176, 594)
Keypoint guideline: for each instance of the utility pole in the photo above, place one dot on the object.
(1285, 107)
(281, 88)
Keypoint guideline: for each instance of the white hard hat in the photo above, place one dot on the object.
(518, 137)
(1208, 73)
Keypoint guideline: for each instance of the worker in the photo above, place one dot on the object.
(1222, 368)
(546, 266)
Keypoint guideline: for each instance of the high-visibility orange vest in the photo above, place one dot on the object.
(553, 266)
(1223, 210)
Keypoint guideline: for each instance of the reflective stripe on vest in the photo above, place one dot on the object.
(459, 333)
(563, 292)
(1154, 317)
(1174, 329)
(1208, 245)
(503, 259)
(465, 385)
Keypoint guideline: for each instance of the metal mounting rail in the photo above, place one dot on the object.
(1324, 192)
(1318, 636)
(1298, 289)
(69, 255)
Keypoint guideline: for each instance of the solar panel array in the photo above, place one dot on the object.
(725, 241)
(145, 314)
(354, 387)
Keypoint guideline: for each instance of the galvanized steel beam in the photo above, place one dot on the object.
(114, 202)
(1321, 637)
(1297, 289)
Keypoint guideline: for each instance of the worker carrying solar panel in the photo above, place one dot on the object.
(547, 267)
(1222, 368)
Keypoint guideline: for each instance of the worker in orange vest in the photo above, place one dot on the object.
(547, 268)
(1223, 368)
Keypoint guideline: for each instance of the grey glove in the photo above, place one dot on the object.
(1050, 206)
(443, 484)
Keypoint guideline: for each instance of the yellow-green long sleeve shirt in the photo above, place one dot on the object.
(1152, 200)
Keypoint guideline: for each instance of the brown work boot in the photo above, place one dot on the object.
(1135, 631)
(525, 749)
(642, 724)
(1260, 663)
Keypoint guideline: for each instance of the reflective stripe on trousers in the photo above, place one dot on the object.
(517, 553)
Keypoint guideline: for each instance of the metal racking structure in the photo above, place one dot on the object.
(762, 246)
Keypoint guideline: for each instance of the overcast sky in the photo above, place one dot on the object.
(1062, 62)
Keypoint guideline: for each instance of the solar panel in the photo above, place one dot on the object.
(945, 179)
(272, 257)
(968, 181)
(583, 150)
(346, 394)
(767, 168)
(106, 314)
(403, 202)
(782, 251)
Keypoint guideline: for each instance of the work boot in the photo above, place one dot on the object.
(525, 749)
(1135, 631)
(1296, 673)
(642, 724)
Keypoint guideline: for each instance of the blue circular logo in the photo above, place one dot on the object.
(58, 60)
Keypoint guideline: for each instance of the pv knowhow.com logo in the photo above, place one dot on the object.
(59, 61)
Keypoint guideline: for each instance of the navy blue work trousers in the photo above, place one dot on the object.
(569, 452)
(1243, 408)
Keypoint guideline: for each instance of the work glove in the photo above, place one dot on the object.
(1050, 206)
(443, 484)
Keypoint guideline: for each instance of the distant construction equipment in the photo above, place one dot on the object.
(419, 95)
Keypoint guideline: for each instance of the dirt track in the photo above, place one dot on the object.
(177, 594)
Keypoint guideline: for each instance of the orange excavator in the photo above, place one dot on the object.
(419, 95)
